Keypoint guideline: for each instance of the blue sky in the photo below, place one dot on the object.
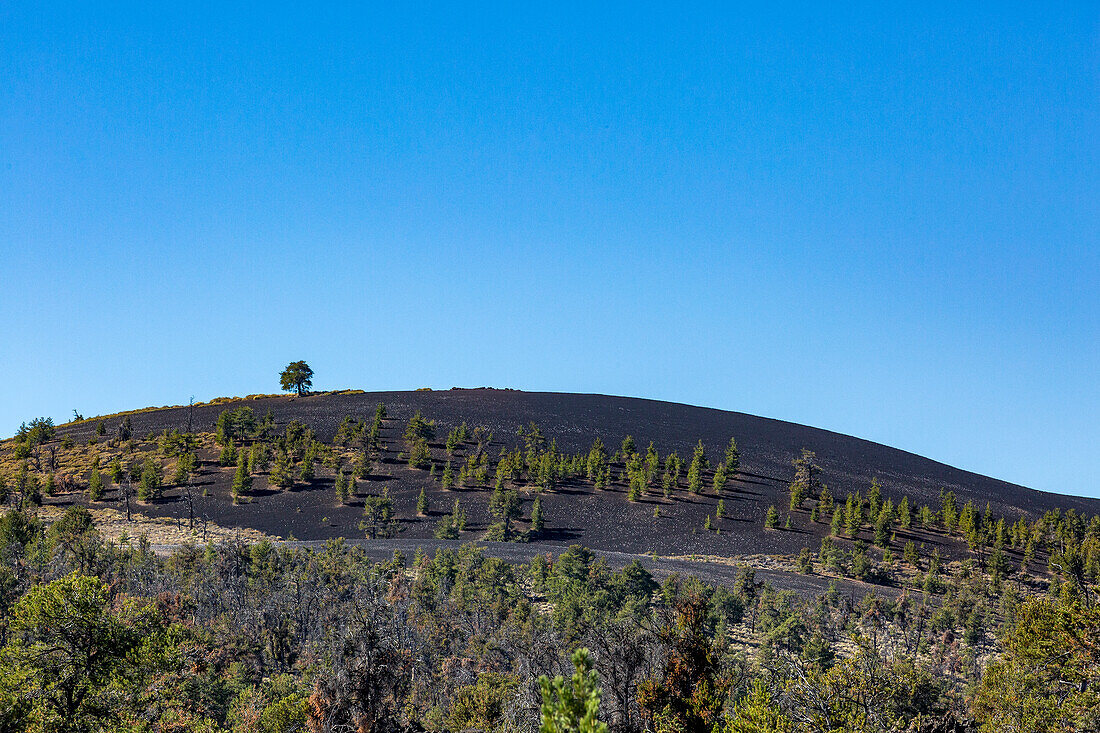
(883, 221)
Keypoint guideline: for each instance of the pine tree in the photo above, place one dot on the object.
(874, 497)
(905, 516)
(242, 481)
(306, 473)
(732, 462)
(422, 503)
(758, 712)
(363, 464)
(796, 496)
(720, 511)
(720, 478)
(949, 510)
(882, 528)
(257, 458)
(910, 554)
(342, 492)
(378, 517)
(184, 466)
(695, 471)
(116, 470)
(504, 505)
(459, 515)
(537, 519)
(853, 515)
(574, 706)
(838, 522)
(281, 475)
(805, 561)
(628, 447)
(149, 488)
(445, 528)
(771, 521)
(95, 486)
(420, 456)
(448, 479)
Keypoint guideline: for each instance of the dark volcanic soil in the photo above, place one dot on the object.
(599, 519)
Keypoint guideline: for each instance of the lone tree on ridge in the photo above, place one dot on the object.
(297, 375)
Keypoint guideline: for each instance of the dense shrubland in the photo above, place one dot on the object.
(109, 636)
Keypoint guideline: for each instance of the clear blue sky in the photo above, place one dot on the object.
(883, 221)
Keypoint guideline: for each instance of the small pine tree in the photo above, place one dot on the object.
(116, 470)
(720, 510)
(183, 469)
(910, 554)
(733, 458)
(363, 465)
(242, 480)
(757, 712)
(720, 478)
(342, 492)
(805, 561)
(771, 520)
(448, 480)
(95, 486)
(796, 496)
(695, 471)
(838, 522)
(882, 528)
(420, 455)
(257, 458)
(422, 503)
(573, 706)
(538, 521)
(708, 524)
(228, 455)
(280, 473)
(149, 488)
(307, 470)
(51, 484)
(445, 528)
(905, 514)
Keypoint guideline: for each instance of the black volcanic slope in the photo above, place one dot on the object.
(599, 519)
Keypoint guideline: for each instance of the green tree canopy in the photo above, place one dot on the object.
(297, 376)
(72, 657)
(574, 706)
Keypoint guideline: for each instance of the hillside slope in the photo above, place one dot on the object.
(598, 518)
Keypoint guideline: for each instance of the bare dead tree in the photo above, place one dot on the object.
(126, 490)
(190, 504)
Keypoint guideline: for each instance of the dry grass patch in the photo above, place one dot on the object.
(112, 524)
